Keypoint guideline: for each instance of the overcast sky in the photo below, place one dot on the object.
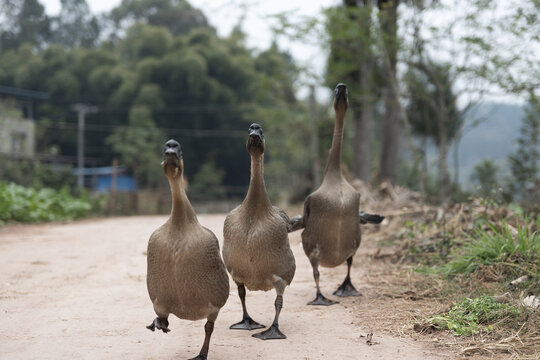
(225, 14)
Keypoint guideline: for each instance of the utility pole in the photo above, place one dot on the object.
(82, 110)
(314, 139)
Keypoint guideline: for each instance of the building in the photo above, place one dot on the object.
(17, 125)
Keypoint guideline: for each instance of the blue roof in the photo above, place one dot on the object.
(123, 183)
(23, 93)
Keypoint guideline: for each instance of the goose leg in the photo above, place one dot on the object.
(347, 288)
(208, 329)
(320, 299)
(160, 323)
(247, 322)
(273, 331)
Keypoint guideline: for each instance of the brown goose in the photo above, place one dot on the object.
(256, 247)
(186, 276)
(331, 218)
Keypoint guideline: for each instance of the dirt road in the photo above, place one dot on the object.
(78, 291)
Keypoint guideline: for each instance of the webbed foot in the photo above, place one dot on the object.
(160, 324)
(247, 324)
(271, 333)
(347, 289)
(321, 300)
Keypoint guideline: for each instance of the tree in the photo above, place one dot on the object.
(178, 16)
(485, 178)
(525, 163)
(75, 25)
(207, 184)
(391, 123)
(138, 146)
(144, 41)
(504, 37)
(432, 112)
(23, 21)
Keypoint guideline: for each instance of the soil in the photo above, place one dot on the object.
(77, 291)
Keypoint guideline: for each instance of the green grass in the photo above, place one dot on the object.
(518, 253)
(471, 316)
(23, 204)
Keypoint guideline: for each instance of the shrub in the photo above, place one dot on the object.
(19, 203)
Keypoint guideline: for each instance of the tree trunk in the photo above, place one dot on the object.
(391, 123)
(442, 118)
(364, 124)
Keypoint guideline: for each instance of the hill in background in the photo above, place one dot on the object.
(490, 133)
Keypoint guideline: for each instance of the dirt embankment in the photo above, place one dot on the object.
(77, 291)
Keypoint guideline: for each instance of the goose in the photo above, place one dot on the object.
(256, 247)
(186, 275)
(331, 219)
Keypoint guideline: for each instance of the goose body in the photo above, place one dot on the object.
(257, 247)
(186, 276)
(332, 227)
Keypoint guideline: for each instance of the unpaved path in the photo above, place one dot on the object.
(78, 291)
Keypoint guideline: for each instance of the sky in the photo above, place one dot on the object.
(256, 23)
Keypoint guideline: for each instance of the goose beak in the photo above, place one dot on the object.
(256, 134)
(172, 155)
(255, 142)
(341, 94)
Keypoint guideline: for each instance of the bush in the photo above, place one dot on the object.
(37, 175)
(18, 203)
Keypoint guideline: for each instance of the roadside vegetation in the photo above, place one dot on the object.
(482, 262)
(26, 204)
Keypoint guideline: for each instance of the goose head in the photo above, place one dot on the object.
(173, 164)
(255, 142)
(341, 97)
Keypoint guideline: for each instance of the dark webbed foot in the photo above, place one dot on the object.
(200, 357)
(271, 333)
(247, 324)
(366, 218)
(160, 324)
(347, 289)
(321, 300)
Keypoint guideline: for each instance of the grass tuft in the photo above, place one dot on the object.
(518, 252)
(472, 316)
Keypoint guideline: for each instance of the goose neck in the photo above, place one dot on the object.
(334, 160)
(257, 195)
(182, 211)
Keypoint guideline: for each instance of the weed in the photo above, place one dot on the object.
(472, 316)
